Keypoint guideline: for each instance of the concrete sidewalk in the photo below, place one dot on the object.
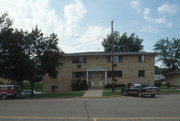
(93, 93)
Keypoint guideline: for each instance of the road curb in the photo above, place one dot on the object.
(96, 96)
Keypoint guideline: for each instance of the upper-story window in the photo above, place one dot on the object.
(79, 60)
(141, 58)
(116, 59)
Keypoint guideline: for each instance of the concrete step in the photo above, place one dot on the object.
(96, 87)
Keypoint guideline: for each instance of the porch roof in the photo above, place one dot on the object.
(96, 68)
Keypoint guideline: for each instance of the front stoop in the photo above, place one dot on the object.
(96, 88)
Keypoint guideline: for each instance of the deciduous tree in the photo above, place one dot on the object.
(123, 43)
(168, 52)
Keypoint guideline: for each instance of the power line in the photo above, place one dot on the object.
(100, 37)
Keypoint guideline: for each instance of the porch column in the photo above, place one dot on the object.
(87, 78)
(105, 78)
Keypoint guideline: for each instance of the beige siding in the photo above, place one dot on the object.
(174, 80)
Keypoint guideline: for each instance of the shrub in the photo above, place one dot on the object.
(116, 85)
(79, 85)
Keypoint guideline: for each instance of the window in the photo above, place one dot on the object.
(78, 74)
(17, 88)
(9, 88)
(54, 88)
(141, 58)
(117, 59)
(79, 60)
(3, 88)
(141, 73)
(116, 73)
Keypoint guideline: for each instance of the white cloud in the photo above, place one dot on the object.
(160, 20)
(135, 4)
(90, 40)
(28, 13)
(72, 14)
(167, 9)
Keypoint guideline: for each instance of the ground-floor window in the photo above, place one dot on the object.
(80, 74)
(54, 88)
(115, 73)
(141, 73)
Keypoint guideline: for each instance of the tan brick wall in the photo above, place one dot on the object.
(129, 67)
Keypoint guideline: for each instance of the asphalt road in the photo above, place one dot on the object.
(123, 108)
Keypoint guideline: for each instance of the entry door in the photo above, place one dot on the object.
(96, 79)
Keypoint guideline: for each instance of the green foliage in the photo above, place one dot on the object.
(5, 22)
(168, 52)
(13, 59)
(38, 86)
(79, 85)
(116, 86)
(27, 55)
(123, 43)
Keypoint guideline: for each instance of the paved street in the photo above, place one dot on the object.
(163, 107)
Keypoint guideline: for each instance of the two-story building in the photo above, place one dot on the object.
(96, 69)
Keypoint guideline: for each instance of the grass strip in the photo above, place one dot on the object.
(54, 95)
(110, 93)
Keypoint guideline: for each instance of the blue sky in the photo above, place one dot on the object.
(81, 25)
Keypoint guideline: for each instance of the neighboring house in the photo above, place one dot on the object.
(173, 78)
(96, 69)
(159, 77)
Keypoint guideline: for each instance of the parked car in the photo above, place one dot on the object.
(7, 91)
(28, 92)
(141, 90)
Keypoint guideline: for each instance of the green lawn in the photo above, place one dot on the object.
(110, 93)
(39, 87)
(169, 90)
(56, 95)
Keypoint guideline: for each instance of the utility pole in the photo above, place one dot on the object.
(112, 56)
(98, 43)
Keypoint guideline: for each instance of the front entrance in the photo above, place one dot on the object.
(96, 78)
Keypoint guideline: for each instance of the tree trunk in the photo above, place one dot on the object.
(113, 87)
(32, 88)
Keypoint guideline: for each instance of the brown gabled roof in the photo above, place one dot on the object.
(173, 72)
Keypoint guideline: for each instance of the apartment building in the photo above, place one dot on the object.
(96, 69)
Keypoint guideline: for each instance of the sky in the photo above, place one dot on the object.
(81, 25)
